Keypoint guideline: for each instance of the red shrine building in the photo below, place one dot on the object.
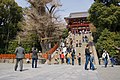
(78, 22)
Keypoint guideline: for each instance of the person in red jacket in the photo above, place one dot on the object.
(62, 57)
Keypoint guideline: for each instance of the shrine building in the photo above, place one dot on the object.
(78, 22)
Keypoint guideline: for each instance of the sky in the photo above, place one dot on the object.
(68, 6)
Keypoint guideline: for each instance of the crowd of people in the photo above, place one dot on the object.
(66, 53)
(68, 57)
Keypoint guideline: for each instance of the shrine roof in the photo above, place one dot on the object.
(78, 15)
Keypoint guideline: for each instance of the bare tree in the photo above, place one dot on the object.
(41, 20)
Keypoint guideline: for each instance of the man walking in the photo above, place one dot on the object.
(34, 58)
(19, 57)
(88, 58)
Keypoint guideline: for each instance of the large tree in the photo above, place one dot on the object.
(107, 41)
(108, 2)
(103, 16)
(10, 16)
(41, 22)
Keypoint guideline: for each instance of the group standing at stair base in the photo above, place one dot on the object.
(70, 48)
(75, 49)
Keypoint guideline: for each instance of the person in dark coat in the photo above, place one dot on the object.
(19, 57)
(112, 61)
(73, 56)
(88, 58)
(79, 58)
(34, 58)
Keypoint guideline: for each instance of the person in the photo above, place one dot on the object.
(80, 44)
(62, 44)
(86, 39)
(79, 58)
(92, 56)
(73, 56)
(68, 58)
(87, 55)
(76, 43)
(71, 41)
(56, 58)
(83, 39)
(27, 60)
(64, 50)
(20, 52)
(40, 54)
(34, 58)
(112, 61)
(68, 49)
(80, 33)
(91, 59)
(62, 57)
(49, 58)
(74, 50)
(105, 57)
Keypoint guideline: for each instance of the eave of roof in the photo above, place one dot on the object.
(77, 15)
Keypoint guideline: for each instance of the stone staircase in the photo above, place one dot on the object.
(80, 49)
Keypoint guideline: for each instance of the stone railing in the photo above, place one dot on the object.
(96, 61)
(51, 51)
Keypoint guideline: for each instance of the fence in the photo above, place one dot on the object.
(13, 56)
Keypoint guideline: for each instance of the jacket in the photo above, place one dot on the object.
(34, 54)
(105, 54)
(87, 51)
(20, 52)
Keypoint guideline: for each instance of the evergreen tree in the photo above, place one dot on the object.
(10, 16)
(107, 41)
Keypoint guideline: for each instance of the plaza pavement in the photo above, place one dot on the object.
(58, 72)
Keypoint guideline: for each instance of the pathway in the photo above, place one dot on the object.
(58, 72)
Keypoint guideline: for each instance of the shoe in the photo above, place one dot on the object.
(20, 70)
(86, 69)
(105, 66)
(15, 69)
(94, 69)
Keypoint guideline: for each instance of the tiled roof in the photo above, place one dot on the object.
(78, 14)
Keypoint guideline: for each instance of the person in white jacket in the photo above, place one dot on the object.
(105, 57)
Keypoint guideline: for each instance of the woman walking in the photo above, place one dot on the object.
(105, 57)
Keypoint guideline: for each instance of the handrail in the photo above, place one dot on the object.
(45, 55)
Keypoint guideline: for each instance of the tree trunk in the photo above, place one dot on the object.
(43, 45)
